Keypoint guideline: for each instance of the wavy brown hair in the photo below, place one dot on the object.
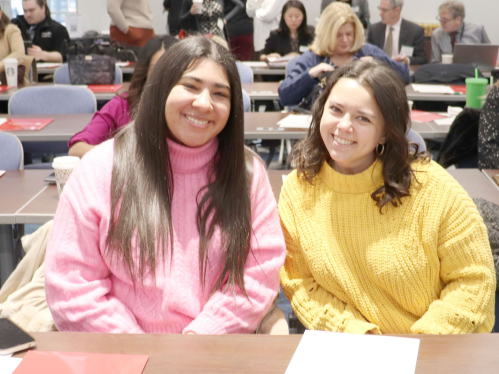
(4, 21)
(142, 182)
(139, 76)
(389, 93)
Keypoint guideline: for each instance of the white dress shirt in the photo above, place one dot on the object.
(395, 35)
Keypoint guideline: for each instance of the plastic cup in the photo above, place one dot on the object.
(200, 5)
(447, 59)
(63, 167)
(11, 71)
(476, 92)
(410, 105)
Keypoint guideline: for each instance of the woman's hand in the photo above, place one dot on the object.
(194, 9)
(270, 55)
(320, 69)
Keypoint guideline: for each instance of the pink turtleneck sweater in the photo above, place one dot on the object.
(86, 291)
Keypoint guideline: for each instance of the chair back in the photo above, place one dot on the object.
(11, 152)
(414, 137)
(61, 75)
(246, 101)
(53, 100)
(245, 72)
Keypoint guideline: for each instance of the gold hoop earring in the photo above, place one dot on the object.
(382, 149)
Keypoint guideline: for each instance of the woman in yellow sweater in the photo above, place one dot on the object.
(379, 238)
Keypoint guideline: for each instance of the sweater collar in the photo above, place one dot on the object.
(367, 181)
(189, 160)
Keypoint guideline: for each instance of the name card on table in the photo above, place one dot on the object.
(23, 124)
(296, 121)
(104, 87)
(82, 363)
(330, 352)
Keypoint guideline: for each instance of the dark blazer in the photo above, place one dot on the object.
(277, 43)
(173, 7)
(189, 22)
(410, 35)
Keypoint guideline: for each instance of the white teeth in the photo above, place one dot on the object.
(342, 141)
(196, 121)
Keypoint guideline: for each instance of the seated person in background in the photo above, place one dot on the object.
(46, 35)
(454, 30)
(339, 39)
(379, 238)
(172, 226)
(488, 137)
(399, 38)
(117, 112)
(11, 44)
(293, 35)
(131, 22)
(360, 8)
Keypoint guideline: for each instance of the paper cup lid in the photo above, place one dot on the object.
(65, 162)
(10, 61)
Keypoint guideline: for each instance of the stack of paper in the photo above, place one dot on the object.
(255, 64)
(280, 62)
(8, 364)
(329, 352)
(296, 121)
(433, 88)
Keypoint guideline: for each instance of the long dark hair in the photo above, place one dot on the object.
(142, 182)
(139, 76)
(391, 98)
(302, 29)
(4, 21)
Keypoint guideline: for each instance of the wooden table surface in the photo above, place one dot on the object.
(445, 354)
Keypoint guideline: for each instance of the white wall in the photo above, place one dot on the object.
(484, 12)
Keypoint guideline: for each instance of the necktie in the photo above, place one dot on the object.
(389, 43)
(453, 38)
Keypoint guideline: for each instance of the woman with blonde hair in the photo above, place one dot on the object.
(339, 39)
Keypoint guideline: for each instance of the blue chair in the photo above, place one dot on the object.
(61, 75)
(11, 158)
(414, 137)
(46, 100)
(245, 72)
(246, 101)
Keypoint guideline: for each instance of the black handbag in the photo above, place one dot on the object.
(91, 63)
(306, 104)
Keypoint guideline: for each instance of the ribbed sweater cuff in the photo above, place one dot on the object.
(360, 327)
(205, 324)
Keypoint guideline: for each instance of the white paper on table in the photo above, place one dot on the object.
(432, 88)
(445, 121)
(3, 120)
(2, 172)
(296, 121)
(255, 64)
(122, 63)
(330, 352)
(41, 65)
(9, 364)
(284, 178)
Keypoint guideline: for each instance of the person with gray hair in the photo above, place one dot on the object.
(400, 39)
(454, 30)
(359, 7)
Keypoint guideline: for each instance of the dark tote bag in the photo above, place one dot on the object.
(91, 63)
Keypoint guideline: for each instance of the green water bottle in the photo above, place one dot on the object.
(476, 92)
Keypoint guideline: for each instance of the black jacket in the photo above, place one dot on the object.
(174, 8)
(189, 22)
(50, 35)
(277, 43)
(411, 35)
(240, 23)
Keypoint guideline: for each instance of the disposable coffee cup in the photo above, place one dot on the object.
(63, 167)
(410, 103)
(447, 59)
(200, 5)
(476, 92)
(11, 71)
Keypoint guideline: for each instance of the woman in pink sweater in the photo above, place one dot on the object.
(195, 245)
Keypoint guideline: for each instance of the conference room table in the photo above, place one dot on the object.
(265, 354)
(491, 174)
(256, 126)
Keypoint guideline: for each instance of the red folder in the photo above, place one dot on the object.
(23, 124)
(459, 89)
(5, 88)
(104, 87)
(420, 116)
(80, 363)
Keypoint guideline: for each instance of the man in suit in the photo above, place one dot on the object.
(399, 38)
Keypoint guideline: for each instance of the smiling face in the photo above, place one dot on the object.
(344, 39)
(351, 126)
(198, 106)
(293, 18)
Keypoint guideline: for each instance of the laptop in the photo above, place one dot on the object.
(483, 56)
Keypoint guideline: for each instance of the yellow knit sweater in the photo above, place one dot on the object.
(423, 267)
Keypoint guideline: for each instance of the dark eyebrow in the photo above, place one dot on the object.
(218, 85)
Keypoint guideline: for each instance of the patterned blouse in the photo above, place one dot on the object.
(212, 12)
(488, 132)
